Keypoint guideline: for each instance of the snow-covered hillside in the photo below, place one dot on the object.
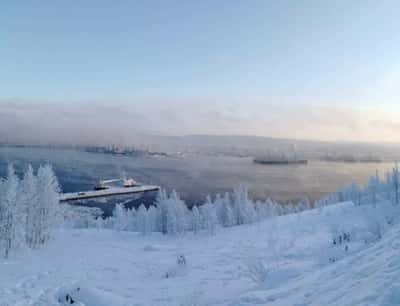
(336, 255)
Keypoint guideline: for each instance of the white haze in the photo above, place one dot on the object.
(125, 123)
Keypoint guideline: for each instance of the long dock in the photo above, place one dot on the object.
(109, 192)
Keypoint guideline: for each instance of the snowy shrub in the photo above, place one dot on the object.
(376, 225)
(257, 271)
(178, 269)
(82, 217)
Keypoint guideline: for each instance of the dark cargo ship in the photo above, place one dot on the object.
(266, 161)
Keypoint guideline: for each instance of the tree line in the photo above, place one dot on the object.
(170, 214)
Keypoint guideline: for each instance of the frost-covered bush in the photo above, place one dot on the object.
(82, 217)
(257, 270)
(376, 224)
(178, 269)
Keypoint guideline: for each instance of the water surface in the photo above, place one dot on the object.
(195, 176)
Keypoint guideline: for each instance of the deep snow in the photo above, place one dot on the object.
(106, 267)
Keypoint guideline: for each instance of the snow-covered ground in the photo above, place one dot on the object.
(287, 260)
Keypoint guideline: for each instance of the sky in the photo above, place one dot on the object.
(324, 70)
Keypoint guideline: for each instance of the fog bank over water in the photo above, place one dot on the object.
(32, 122)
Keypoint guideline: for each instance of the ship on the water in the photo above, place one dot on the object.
(280, 159)
(268, 161)
(107, 193)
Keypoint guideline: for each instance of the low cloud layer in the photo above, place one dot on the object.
(127, 123)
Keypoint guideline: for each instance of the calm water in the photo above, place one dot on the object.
(195, 177)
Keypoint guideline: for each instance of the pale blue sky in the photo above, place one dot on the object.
(246, 55)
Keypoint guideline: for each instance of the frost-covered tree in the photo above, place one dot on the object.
(47, 210)
(395, 179)
(224, 210)
(99, 223)
(172, 212)
(142, 222)
(131, 220)
(176, 213)
(354, 193)
(304, 204)
(229, 218)
(289, 208)
(11, 224)
(373, 188)
(243, 207)
(196, 220)
(120, 216)
(28, 208)
(264, 210)
(162, 211)
(29, 194)
(209, 217)
(152, 218)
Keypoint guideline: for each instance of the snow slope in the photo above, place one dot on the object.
(104, 267)
(371, 277)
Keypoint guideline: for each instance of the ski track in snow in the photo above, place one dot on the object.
(104, 267)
